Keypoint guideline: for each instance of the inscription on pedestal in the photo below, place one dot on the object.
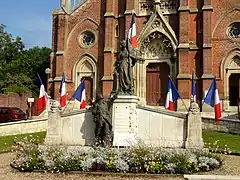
(124, 120)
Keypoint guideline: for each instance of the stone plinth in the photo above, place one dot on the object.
(194, 128)
(53, 136)
(124, 120)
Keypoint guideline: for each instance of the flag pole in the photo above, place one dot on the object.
(71, 98)
(67, 104)
(178, 93)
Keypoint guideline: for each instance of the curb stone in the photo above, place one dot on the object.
(211, 177)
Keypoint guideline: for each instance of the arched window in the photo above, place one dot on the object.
(234, 30)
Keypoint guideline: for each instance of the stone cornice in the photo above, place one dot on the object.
(108, 50)
(189, 46)
(163, 111)
(109, 14)
(183, 8)
(58, 11)
(128, 12)
(207, 76)
(183, 46)
(207, 45)
(194, 10)
(107, 78)
(207, 8)
(59, 52)
(59, 79)
(190, 10)
(184, 76)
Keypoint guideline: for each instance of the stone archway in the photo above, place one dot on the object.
(86, 68)
(231, 71)
(155, 49)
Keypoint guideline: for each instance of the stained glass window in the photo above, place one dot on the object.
(234, 30)
(87, 38)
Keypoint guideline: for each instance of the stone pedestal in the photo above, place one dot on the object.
(194, 128)
(124, 120)
(53, 136)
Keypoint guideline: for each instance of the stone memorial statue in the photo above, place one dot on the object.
(123, 75)
(101, 117)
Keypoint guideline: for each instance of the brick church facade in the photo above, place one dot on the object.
(175, 37)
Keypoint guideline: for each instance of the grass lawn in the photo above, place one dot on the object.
(232, 141)
(6, 142)
(224, 140)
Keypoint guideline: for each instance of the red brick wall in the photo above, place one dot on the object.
(204, 30)
(15, 100)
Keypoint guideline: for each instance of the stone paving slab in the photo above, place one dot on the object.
(211, 177)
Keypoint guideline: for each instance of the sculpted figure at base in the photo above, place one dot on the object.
(101, 117)
(123, 76)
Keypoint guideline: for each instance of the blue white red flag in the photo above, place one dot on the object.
(80, 95)
(193, 96)
(132, 34)
(172, 96)
(42, 99)
(213, 100)
(63, 95)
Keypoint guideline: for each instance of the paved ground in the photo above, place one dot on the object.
(231, 167)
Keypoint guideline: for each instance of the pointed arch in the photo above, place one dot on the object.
(85, 66)
(157, 23)
(230, 65)
(79, 25)
(224, 15)
(226, 61)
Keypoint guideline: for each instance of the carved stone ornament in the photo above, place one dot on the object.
(156, 46)
(166, 6)
(194, 108)
(235, 63)
(54, 105)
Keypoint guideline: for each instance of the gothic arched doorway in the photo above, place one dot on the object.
(158, 61)
(156, 83)
(231, 75)
(234, 89)
(86, 69)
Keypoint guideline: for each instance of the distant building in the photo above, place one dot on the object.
(176, 37)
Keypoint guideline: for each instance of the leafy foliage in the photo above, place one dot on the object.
(18, 66)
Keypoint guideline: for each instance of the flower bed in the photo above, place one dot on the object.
(137, 159)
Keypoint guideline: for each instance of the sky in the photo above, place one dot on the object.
(29, 19)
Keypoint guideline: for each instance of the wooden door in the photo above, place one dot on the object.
(156, 83)
(88, 88)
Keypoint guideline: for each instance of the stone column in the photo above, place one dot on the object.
(53, 136)
(183, 77)
(109, 47)
(124, 120)
(194, 128)
(207, 76)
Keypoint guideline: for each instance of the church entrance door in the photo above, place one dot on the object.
(88, 88)
(234, 89)
(156, 83)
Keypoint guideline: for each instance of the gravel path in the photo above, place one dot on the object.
(231, 167)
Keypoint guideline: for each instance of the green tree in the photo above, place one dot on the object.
(19, 67)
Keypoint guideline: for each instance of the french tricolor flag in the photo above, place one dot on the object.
(172, 96)
(193, 96)
(212, 99)
(63, 96)
(42, 99)
(132, 34)
(80, 95)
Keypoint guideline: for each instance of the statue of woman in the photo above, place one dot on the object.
(124, 69)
